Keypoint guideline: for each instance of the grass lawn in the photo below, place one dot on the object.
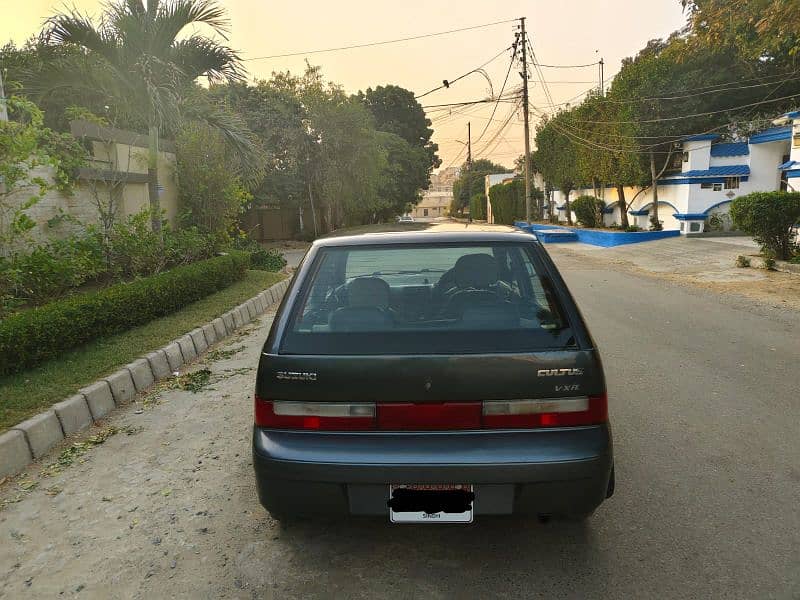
(25, 394)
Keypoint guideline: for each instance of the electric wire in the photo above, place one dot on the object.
(381, 43)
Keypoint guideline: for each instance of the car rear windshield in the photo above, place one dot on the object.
(427, 299)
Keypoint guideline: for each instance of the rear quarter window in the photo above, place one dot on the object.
(427, 299)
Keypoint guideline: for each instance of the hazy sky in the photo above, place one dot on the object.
(562, 32)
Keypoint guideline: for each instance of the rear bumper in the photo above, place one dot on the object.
(544, 471)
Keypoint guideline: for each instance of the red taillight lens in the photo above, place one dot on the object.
(559, 412)
(447, 415)
(365, 416)
(320, 416)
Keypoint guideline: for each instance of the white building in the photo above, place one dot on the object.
(437, 198)
(707, 176)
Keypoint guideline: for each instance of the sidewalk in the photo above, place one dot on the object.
(704, 262)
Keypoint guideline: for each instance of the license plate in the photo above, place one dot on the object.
(426, 503)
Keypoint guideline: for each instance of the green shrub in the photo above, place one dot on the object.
(508, 201)
(477, 207)
(769, 263)
(49, 270)
(742, 261)
(267, 260)
(33, 336)
(632, 228)
(769, 217)
(588, 210)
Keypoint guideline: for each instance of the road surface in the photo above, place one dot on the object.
(704, 399)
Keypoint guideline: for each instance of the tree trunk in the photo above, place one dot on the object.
(152, 178)
(654, 216)
(566, 205)
(623, 206)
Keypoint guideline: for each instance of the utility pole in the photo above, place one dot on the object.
(3, 105)
(602, 79)
(469, 168)
(524, 74)
(469, 144)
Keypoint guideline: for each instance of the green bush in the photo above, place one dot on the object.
(508, 201)
(633, 228)
(129, 250)
(33, 336)
(769, 217)
(267, 260)
(477, 207)
(49, 270)
(588, 210)
(742, 261)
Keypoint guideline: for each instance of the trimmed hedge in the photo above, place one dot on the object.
(33, 336)
(477, 207)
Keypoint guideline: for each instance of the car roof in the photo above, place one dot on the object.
(440, 233)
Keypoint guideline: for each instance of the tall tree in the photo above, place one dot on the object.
(761, 30)
(397, 111)
(556, 156)
(141, 57)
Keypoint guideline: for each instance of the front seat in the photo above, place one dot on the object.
(474, 277)
(367, 307)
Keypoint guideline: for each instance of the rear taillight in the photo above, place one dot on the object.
(494, 414)
(447, 415)
(330, 416)
(557, 412)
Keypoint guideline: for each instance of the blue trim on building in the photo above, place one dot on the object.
(609, 209)
(701, 137)
(792, 115)
(773, 134)
(690, 216)
(730, 149)
(793, 173)
(710, 208)
(562, 207)
(698, 180)
(724, 171)
(789, 164)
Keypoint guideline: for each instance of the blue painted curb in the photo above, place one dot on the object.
(606, 239)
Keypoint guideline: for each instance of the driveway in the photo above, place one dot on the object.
(705, 414)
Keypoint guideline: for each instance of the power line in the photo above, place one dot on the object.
(496, 104)
(565, 66)
(447, 84)
(702, 114)
(381, 43)
(471, 102)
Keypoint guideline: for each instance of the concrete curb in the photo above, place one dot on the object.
(33, 438)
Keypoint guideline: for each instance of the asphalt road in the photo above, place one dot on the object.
(704, 400)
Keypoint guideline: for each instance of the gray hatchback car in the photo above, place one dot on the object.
(431, 376)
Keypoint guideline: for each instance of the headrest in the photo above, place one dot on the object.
(368, 292)
(475, 271)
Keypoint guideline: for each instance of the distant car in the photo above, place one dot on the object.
(431, 377)
(405, 219)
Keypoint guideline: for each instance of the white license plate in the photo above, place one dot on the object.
(449, 498)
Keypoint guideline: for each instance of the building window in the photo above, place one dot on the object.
(731, 183)
(694, 227)
(685, 157)
(717, 187)
(425, 212)
(706, 186)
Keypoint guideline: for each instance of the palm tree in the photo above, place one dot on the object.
(137, 57)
